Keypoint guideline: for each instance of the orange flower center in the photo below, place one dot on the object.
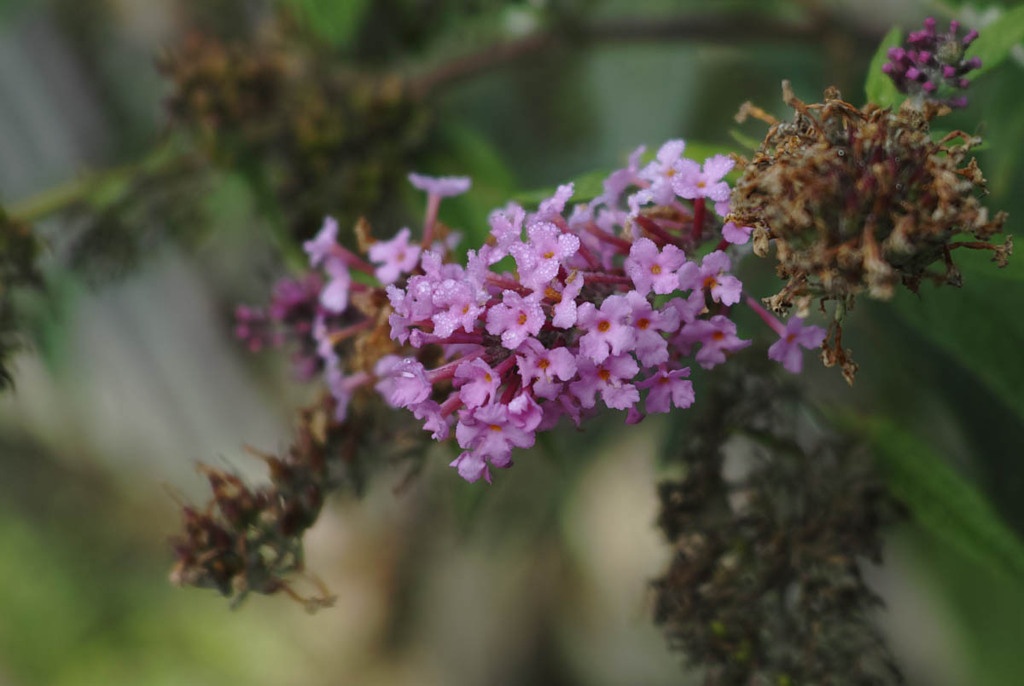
(543, 363)
(522, 318)
(604, 374)
(604, 326)
(643, 323)
(718, 336)
(655, 269)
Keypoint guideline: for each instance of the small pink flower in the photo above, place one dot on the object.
(711, 275)
(395, 257)
(506, 227)
(787, 349)
(621, 179)
(708, 183)
(539, 260)
(607, 332)
(737, 235)
(434, 421)
(457, 301)
(648, 324)
(441, 186)
(662, 172)
(565, 310)
(402, 381)
(477, 382)
(515, 318)
(653, 269)
(668, 388)
(545, 369)
(717, 337)
(471, 467)
(321, 245)
(334, 296)
(551, 209)
(491, 432)
(609, 378)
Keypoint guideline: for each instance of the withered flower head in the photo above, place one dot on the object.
(862, 199)
(250, 539)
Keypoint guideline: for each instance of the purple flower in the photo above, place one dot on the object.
(506, 227)
(565, 309)
(648, 324)
(334, 296)
(342, 388)
(737, 235)
(395, 257)
(650, 268)
(434, 421)
(694, 183)
(717, 337)
(524, 412)
(515, 318)
(545, 369)
(667, 389)
(621, 179)
(609, 378)
(321, 245)
(690, 307)
(551, 209)
(491, 432)
(459, 298)
(662, 172)
(607, 332)
(471, 467)
(711, 275)
(441, 186)
(477, 382)
(787, 349)
(539, 260)
(402, 381)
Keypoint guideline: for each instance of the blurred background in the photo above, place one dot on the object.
(167, 193)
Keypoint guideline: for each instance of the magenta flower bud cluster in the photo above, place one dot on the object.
(287, 320)
(930, 62)
(562, 312)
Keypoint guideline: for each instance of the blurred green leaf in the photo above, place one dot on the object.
(748, 142)
(879, 88)
(942, 501)
(336, 22)
(995, 41)
(967, 324)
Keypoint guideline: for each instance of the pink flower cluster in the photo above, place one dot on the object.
(562, 311)
(603, 307)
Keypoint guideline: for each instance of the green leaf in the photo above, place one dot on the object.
(974, 325)
(748, 142)
(336, 22)
(942, 501)
(879, 88)
(995, 41)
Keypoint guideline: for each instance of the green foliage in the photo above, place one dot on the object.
(879, 88)
(996, 40)
(336, 22)
(942, 501)
(963, 323)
